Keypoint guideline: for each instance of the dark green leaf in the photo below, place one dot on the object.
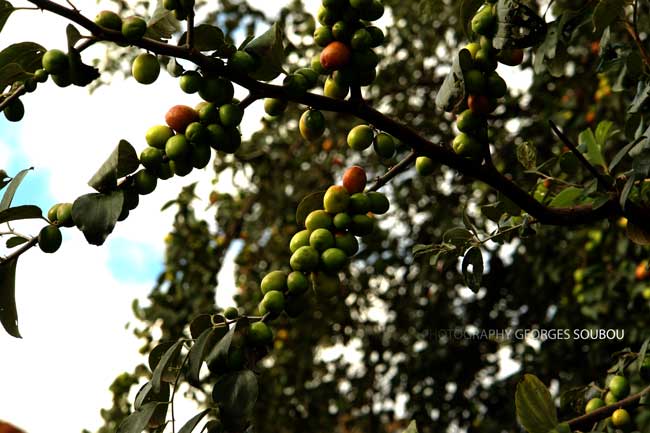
(467, 10)
(452, 91)
(527, 154)
(518, 26)
(157, 353)
(192, 423)
(641, 164)
(269, 52)
(96, 214)
(220, 351)
(606, 12)
(145, 395)
(20, 213)
(200, 324)
(637, 234)
(138, 420)
(26, 57)
(236, 392)
(8, 313)
(492, 212)
(547, 52)
(508, 206)
(412, 427)
(122, 162)
(8, 196)
(5, 10)
(594, 150)
(312, 202)
(80, 74)
(626, 191)
(457, 236)
(206, 38)
(205, 341)
(163, 24)
(621, 153)
(567, 197)
(15, 241)
(642, 95)
(535, 409)
(73, 35)
(168, 358)
(642, 352)
(473, 278)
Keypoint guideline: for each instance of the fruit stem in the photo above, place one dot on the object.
(585, 422)
(189, 40)
(394, 171)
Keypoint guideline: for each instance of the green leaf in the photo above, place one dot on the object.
(170, 356)
(626, 191)
(452, 91)
(8, 313)
(567, 197)
(20, 213)
(527, 154)
(604, 132)
(122, 162)
(14, 241)
(193, 422)
(236, 392)
(623, 152)
(5, 10)
(312, 202)
(412, 427)
(605, 12)
(467, 10)
(163, 24)
(72, 35)
(518, 26)
(642, 95)
(474, 258)
(548, 54)
(638, 235)
(457, 236)
(96, 215)
(199, 324)
(535, 409)
(594, 150)
(138, 420)
(206, 340)
(492, 212)
(146, 395)
(80, 74)
(157, 353)
(25, 57)
(269, 52)
(206, 38)
(642, 353)
(220, 351)
(8, 196)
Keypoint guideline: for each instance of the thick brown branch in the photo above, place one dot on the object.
(586, 422)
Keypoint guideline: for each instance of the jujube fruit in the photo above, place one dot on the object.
(145, 181)
(14, 111)
(158, 135)
(275, 280)
(109, 20)
(145, 68)
(177, 147)
(336, 199)
(64, 215)
(49, 239)
(179, 116)
(134, 28)
(312, 124)
(318, 219)
(333, 259)
(321, 239)
(335, 56)
(190, 82)
(55, 61)
(354, 179)
(305, 259)
(424, 165)
(593, 404)
(360, 137)
(300, 239)
(260, 334)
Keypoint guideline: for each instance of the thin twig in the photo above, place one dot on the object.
(248, 100)
(635, 35)
(189, 37)
(394, 170)
(20, 90)
(32, 242)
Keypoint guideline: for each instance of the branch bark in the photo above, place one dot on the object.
(586, 422)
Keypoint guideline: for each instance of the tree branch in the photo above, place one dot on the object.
(17, 253)
(394, 171)
(20, 90)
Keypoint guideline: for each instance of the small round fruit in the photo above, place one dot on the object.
(274, 107)
(497, 87)
(619, 387)
(297, 283)
(377, 36)
(177, 147)
(335, 90)
(336, 199)
(151, 158)
(179, 116)
(474, 81)
(231, 313)
(305, 259)
(49, 239)
(609, 398)
(333, 259)
(354, 179)
(40, 75)
(273, 303)
(158, 135)
(360, 137)
(325, 285)
(190, 81)
(14, 111)
(64, 215)
(378, 203)
(200, 155)
(424, 166)
(362, 225)
(312, 124)
(384, 145)
(134, 28)
(593, 404)
(208, 113)
(145, 182)
(230, 115)
(300, 239)
(621, 418)
(310, 75)
(473, 48)
(347, 243)
(196, 133)
(359, 203)
(218, 138)
(316, 66)
(241, 61)
(511, 57)
(361, 39)
(479, 104)
(323, 36)
(335, 56)
(145, 68)
(55, 62)
(318, 219)
(373, 12)
(467, 146)
(63, 79)
(342, 221)
(109, 20)
(275, 280)
(485, 60)
(483, 22)
(181, 167)
(232, 141)
(260, 334)
(51, 214)
(217, 90)
(131, 198)
(321, 239)
(469, 121)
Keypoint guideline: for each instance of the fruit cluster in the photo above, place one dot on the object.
(322, 249)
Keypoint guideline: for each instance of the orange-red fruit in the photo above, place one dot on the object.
(479, 104)
(354, 179)
(179, 116)
(335, 56)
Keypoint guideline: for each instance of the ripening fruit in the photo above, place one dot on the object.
(609, 398)
(275, 280)
(64, 215)
(342, 221)
(51, 214)
(621, 418)
(325, 285)
(333, 89)
(145, 68)
(109, 20)
(619, 387)
(593, 404)
(354, 179)
(272, 303)
(300, 239)
(424, 165)
(145, 181)
(134, 28)
(190, 81)
(335, 56)
(467, 146)
(231, 313)
(479, 104)
(177, 147)
(336, 199)
(55, 61)
(49, 239)
(321, 239)
(230, 115)
(511, 57)
(297, 283)
(333, 259)
(217, 90)
(384, 145)
(318, 219)
(474, 81)
(360, 137)
(158, 135)
(469, 121)
(312, 124)
(260, 334)
(179, 116)
(483, 22)
(362, 225)
(305, 259)
(274, 107)
(14, 111)
(378, 203)
(347, 243)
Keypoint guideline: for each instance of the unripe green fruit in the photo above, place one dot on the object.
(362, 225)
(49, 239)
(361, 40)
(305, 259)
(336, 199)
(260, 334)
(40, 75)
(200, 155)
(325, 285)
(344, 77)
(374, 12)
(310, 75)
(321, 239)
(316, 65)
(274, 107)
(208, 113)
(467, 146)
(29, 84)
(312, 124)
(218, 138)
(158, 135)
(190, 81)
(342, 221)
(109, 20)
(297, 283)
(359, 203)
(181, 167)
(497, 87)
(165, 171)
(131, 198)
(171, 5)
(483, 22)
(151, 158)
(241, 61)
(424, 166)
(360, 137)
(272, 303)
(326, 16)
(63, 79)
(621, 418)
(318, 219)
(333, 259)
(332, 89)
(364, 60)
(294, 305)
(145, 182)
(323, 36)
(231, 115)
(610, 399)
(177, 147)
(217, 90)
(232, 142)
(197, 133)
(300, 239)
(384, 145)
(378, 202)
(134, 28)
(51, 214)
(231, 313)
(296, 84)
(275, 280)
(474, 82)
(55, 62)
(377, 36)
(347, 243)
(341, 31)
(593, 404)
(485, 61)
(469, 121)
(64, 215)
(619, 387)
(14, 111)
(360, 4)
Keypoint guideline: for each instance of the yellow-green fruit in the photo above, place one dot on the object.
(593, 404)
(335, 90)
(467, 146)
(151, 158)
(362, 225)
(40, 75)
(165, 171)
(260, 334)
(424, 165)
(336, 199)
(190, 82)
(305, 259)
(473, 48)
(241, 61)
(145, 68)
(342, 221)
(51, 214)
(469, 121)
(323, 36)
(318, 219)
(134, 28)
(312, 124)
(177, 147)
(208, 112)
(231, 313)
(217, 90)
(273, 303)
(321, 239)
(621, 418)
(145, 181)
(347, 242)
(297, 283)
(378, 202)
(274, 281)
(158, 135)
(360, 137)
(55, 62)
(325, 285)
(49, 239)
(619, 387)
(197, 133)
(109, 20)
(300, 239)
(610, 399)
(483, 22)
(274, 107)
(333, 259)
(64, 215)
(316, 65)
(359, 203)
(230, 115)
(384, 145)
